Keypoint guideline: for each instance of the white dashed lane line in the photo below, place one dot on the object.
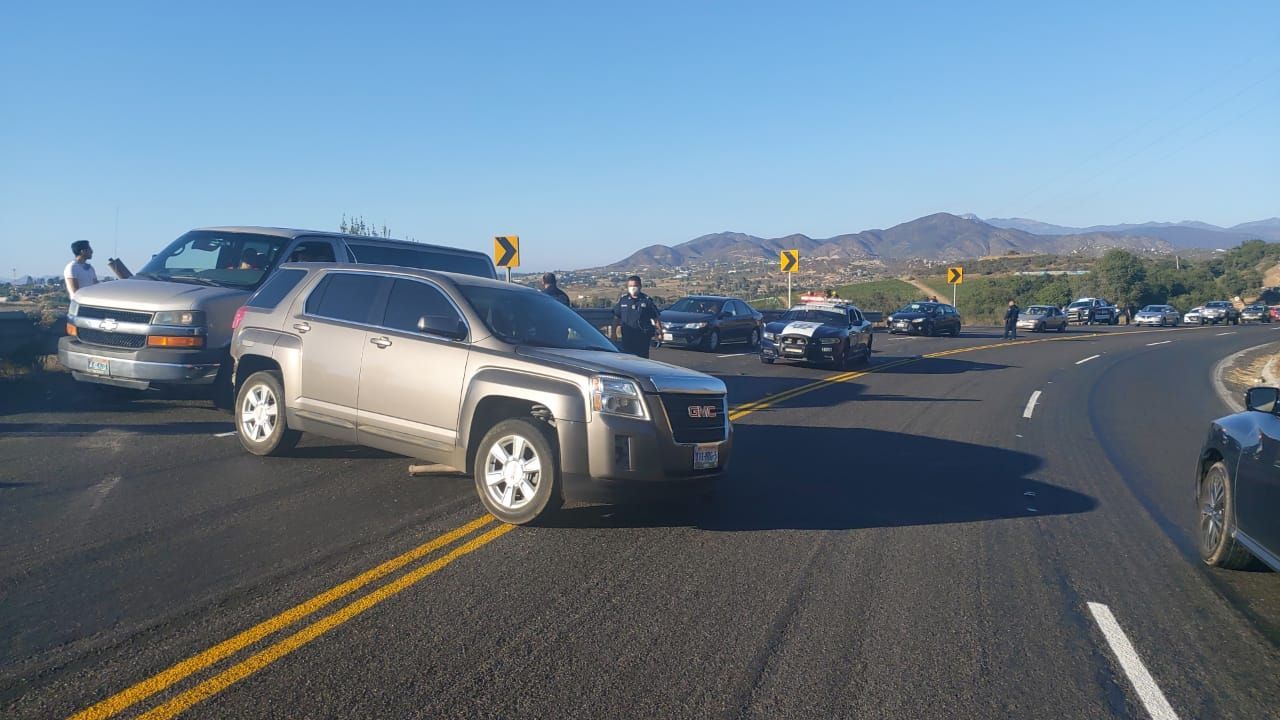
(1143, 684)
(1091, 357)
(1031, 405)
(1162, 342)
(1227, 333)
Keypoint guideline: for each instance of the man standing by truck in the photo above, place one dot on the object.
(637, 317)
(79, 273)
(1011, 321)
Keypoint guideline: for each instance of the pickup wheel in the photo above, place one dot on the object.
(517, 472)
(260, 418)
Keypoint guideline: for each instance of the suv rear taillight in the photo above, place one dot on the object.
(235, 322)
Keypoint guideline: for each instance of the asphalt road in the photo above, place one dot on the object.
(898, 542)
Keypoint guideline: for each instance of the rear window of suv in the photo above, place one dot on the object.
(423, 258)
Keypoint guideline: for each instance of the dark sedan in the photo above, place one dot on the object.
(925, 318)
(1256, 313)
(1238, 485)
(709, 321)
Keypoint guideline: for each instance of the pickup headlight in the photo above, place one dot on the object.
(694, 326)
(73, 309)
(617, 396)
(179, 317)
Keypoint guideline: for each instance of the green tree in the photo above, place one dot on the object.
(1122, 278)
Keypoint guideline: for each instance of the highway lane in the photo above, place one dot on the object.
(804, 588)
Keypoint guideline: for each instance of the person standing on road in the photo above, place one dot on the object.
(637, 317)
(79, 273)
(1011, 321)
(549, 287)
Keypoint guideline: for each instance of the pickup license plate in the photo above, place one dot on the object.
(99, 366)
(706, 457)
(667, 337)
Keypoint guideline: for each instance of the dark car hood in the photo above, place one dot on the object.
(909, 316)
(685, 317)
(801, 327)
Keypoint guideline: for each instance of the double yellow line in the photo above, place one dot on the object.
(219, 682)
(211, 686)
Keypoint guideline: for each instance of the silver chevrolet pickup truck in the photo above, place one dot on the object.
(494, 379)
(170, 324)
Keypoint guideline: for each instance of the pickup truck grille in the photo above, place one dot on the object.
(109, 314)
(111, 339)
(696, 418)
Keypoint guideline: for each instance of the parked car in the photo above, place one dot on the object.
(1237, 483)
(1219, 311)
(925, 318)
(1042, 318)
(170, 324)
(830, 331)
(1193, 316)
(709, 321)
(1256, 313)
(500, 381)
(1090, 311)
(1161, 315)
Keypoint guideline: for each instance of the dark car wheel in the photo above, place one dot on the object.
(754, 341)
(766, 361)
(711, 342)
(261, 424)
(1216, 497)
(517, 472)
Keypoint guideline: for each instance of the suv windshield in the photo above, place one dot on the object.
(697, 305)
(1218, 304)
(525, 317)
(1153, 308)
(203, 257)
(1080, 304)
(826, 317)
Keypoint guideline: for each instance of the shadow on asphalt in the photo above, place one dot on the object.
(53, 391)
(892, 480)
(342, 452)
(938, 366)
(56, 429)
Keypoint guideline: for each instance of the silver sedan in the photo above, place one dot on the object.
(1161, 315)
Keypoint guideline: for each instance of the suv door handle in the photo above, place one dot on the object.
(382, 342)
(302, 326)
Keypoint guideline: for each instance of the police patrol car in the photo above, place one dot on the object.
(819, 330)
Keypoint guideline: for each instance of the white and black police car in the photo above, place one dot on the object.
(820, 330)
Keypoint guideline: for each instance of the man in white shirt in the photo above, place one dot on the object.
(79, 273)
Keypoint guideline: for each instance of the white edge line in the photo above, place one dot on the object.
(1091, 357)
(1143, 684)
(225, 434)
(1031, 405)
(1162, 342)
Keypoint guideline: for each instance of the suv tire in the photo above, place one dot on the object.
(260, 419)
(530, 490)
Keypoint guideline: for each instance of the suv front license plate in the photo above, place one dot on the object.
(706, 457)
(99, 366)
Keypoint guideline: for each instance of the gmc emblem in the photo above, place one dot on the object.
(703, 411)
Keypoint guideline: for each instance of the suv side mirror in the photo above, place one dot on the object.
(443, 326)
(1261, 399)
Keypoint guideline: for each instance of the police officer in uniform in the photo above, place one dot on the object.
(638, 318)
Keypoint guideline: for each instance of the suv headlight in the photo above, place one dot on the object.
(918, 320)
(617, 396)
(179, 317)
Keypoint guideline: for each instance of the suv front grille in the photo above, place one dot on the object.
(111, 339)
(119, 315)
(696, 418)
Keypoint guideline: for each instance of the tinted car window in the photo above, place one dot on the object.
(274, 290)
(345, 296)
(411, 300)
(743, 308)
(313, 251)
(424, 258)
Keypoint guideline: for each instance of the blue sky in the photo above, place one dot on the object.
(592, 129)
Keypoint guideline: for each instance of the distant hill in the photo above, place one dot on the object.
(1181, 235)
(940, 236)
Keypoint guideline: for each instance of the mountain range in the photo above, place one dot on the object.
(943, 236)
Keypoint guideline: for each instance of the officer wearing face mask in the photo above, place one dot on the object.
(637, 316)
